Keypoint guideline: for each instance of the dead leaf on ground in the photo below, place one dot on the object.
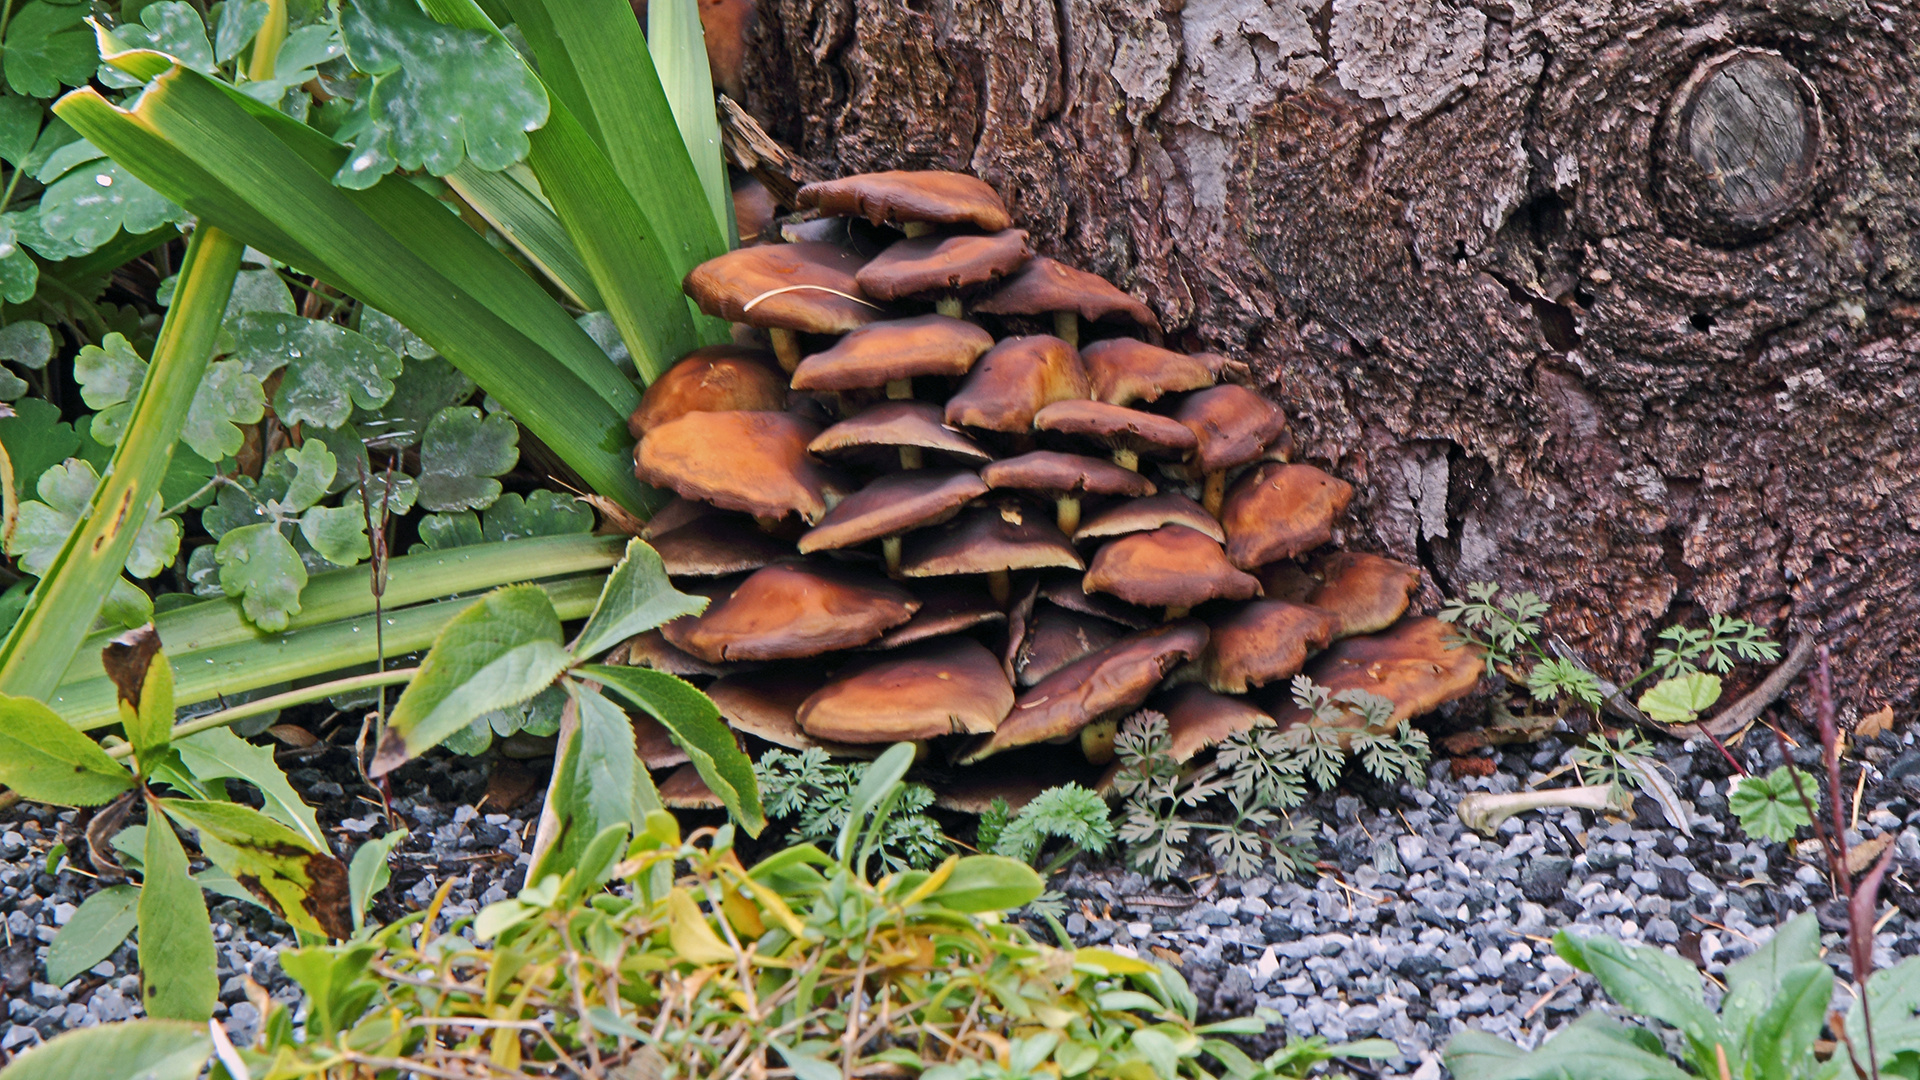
(1861, 855)
(293, 735)
(1473, 766)
(1874, 723)
(511, 783)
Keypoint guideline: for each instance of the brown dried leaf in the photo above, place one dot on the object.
(1874, 723)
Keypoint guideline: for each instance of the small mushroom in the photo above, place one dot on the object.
(753, 206)
(1364, 593)
(949, 686)
(791, 610)
(1016, 379)
(1102, 686)
(1279, 511)
(1055, 637)
(654, 744)
(754, 462)
(913, 201)
(1418, 664)
(892, 505)
(891, 354)
(716, 545)
(1264, 641)
(1172, 567)
(785, 289)
(1198, 718)
(1064, 478)
(1048, 287)
(943, 267)
(715, 378)
(910, 428)
(993, 540)
(1233, 426)
(945, 608)
(1124, 371)
(1126, 433)
(1147, 514)
(684, 789)
(1071, 593)
(652, 650)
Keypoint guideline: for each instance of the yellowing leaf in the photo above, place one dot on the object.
(1679, 700)
(1111, 963)
(690, 934)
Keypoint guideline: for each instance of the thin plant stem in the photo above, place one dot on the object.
(278, 701)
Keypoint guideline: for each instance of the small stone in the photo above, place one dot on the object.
(1544, 881)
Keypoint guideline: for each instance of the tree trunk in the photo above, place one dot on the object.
(1610, 299)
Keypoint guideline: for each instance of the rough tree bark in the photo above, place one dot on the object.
(1612, 299)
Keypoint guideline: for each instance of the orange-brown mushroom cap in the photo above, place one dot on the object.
(1055, 637)
(1119, 428)
(1123, 370)
(654, 744)
(1172, 566)
(881, 352)
(1046, 285)
(1232, 423)
(1262, 642)
(717, 544)
(1147, 514)
(1278, 511)
(714, 378)
(940, 265)
(949, 686)
(1198, 718)
(1099, 686)
(894, 504)
(754, 462)
(989, 539)
(808, 288)
(651, 649)
(763, 703)
(1016, 379)
(894, 424)
(946, 607)
(683, 789)
(1410, 665)
(1060, 474)
(895, 198)
(791, 610)
(1364, 593)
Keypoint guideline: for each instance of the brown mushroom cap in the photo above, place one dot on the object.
(1123, 370)
(1016, 379)
(654, 744)
(792, 610)
(894, 424)
(1410, 665)
(1071, 593)
(763, 704)
(969, 792)
(715, 378)
(684, 789)
(944, 687)
(1145, 515)
(1059, 474)
(652, 650)
(1055, 637)
(1198, 718)
(895, 198)
(881, 352)
(717, 544)
(945, 608)
(754, 462)
(1099, 686)
(745, 286)
(1265, 641)
(676, 513)
(1172, 566)
(1232, 423)
(1365, 593)
(1119, 428)
(1046, 285)
(942, 265)
(1279, 511)
(988, 539)
(892, 505)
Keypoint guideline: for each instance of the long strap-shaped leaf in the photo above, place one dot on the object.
(677, 42)
(183, 114)
(64, 603)
(512, 202)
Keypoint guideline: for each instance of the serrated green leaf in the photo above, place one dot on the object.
(440, 95)
(228, 397)
(27, 343)
(1769, 806)
(87, 206)
(92, 933)
(178, 979)
(330, 370)
(48, 46)
(259, 565)
(638, 597)
(133, 1050)
(542, 513)
(313, 468)
(303, 885)
(44, 759)
(460, 454)
(219, 753)
(1679, 700)
(109, 374)
(19, 127)
(695, 724)
(368, 874)
(337, 533)
(498, 652)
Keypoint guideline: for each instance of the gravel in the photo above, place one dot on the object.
(1416, 928)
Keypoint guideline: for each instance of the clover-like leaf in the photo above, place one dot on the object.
(227, 397)
(428, 385)
(19, 127)
(109, 376)
(329, 369)
(48, 46)
(239, 21)
(36, 439)
(64, 490)
(543, 513)
(97, 199)
(259, 565)
(173, 28)
(1679, 700)
(441, 532)
(238, 503)
(27, 343)
(440, 94)
(19, 274)
(337, 533)
(155, 545)
(460, 454)
(312, 466)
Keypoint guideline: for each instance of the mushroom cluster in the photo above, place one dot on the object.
(918, 516)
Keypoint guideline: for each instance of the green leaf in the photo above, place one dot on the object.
(427, 385)
(444, 532)
(144, 680)
(19, 274)
(220, 754)
(304, 885)
(1769, 807)
(27, 343)
(48, 46)
(1782, 1036)
(258, 565)
(109, 377)
(46, 760)
(498, 652)
(173, 28)
(96, 929)
(1754, 981)
(368, 874)
(66, 490)
(638, 597)
(239, 21)
(228, 397)
(87, 206)
(1648, 982)
(313, 466)
(511, 201)
(693, 721)
(440, 95)
(330, 369)
(126, 605)
(542, 513)
(988, 883)
(19, 127)
(338, 533)
(333, 977)
(35, 439)
(1593, 1047)
(177, 959)
(1679, 700)
(460, 454)
(132, 1050)
(677, 42)
(598, 783)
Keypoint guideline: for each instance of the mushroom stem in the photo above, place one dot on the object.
(1174, 612)
(911, 458)
(1483, 811)
(1067, 513)
(890, 547)
(900, 389)
(786, 346)
(916, 228)
(769, 523)
(1096, 740)
(1215, 492)
(1066, 327)
(949, 306)
(1127, 459)
(1000, 584)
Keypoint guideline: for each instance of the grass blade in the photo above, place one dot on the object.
(513, 204)
(678, 46)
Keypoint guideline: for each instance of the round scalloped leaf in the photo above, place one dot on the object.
(36, 439)
(239, 21)
(259, 565)
(428, 385)
(19, 127)
(19, 274)
(49, 46)
(64, 491)
(387, 330)
(442, 532)
(460, 454)
(311, 467)
(228, 396)
(238, 504)
(330, 370)
(543, 513)
(109, 376)
(27, 343)
(173, 28)
(93, 202)
(337, 533)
